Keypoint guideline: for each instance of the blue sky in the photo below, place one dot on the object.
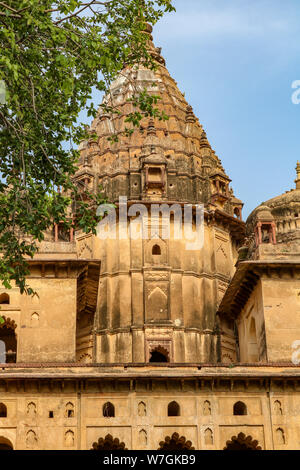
(236, 61)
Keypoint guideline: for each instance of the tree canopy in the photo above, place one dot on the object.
(53, 55)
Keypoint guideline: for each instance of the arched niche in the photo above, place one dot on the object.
(253, 353)
(156, 252)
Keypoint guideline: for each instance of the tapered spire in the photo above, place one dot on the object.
(204, 142)
(297, 181)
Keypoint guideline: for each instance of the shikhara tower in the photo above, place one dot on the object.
(154, 295)
(141, 343)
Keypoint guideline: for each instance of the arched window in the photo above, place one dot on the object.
(173, 409)
(108, 410)
(239, 409)
(3, 410)
(69, 413)
(236, 212)
(159, 354)
(8, 350)
(4, 298)
(156, 251)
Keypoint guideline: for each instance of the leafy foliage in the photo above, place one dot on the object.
(52, 56)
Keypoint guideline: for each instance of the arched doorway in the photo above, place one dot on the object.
(8, 341)
(176, 443)
(108, 443)
(5, 444)
(241, 442)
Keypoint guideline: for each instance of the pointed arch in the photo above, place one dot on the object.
(208, 437)
(108, 410)
(239, 409)
(31, 439)
(280, 436)
(143, 438)
(31, 409)
(277, 407)
(142, 409)
(173, 409)
(207, 408)
(69, 438)
(3, 410)
(253, 353)
(69, 411)
(156, 250)
(8, 341)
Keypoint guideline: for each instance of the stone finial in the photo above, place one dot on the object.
(297, 181)
(86, 161)
(204, 142)
(190, 117)
(151, 128)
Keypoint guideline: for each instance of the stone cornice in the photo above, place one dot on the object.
(246, 278)
(58, 268)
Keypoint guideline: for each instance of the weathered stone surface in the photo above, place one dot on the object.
(143, 344)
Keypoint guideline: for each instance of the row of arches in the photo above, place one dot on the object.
(108, 409)
(31, 410)
(179, 443)
(170, 443)
(173, 409)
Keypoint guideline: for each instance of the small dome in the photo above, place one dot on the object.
(263, 213)
(284, 212)
(279, 208)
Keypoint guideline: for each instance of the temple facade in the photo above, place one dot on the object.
(138, 337)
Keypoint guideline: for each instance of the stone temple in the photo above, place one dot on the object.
(139, 342)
